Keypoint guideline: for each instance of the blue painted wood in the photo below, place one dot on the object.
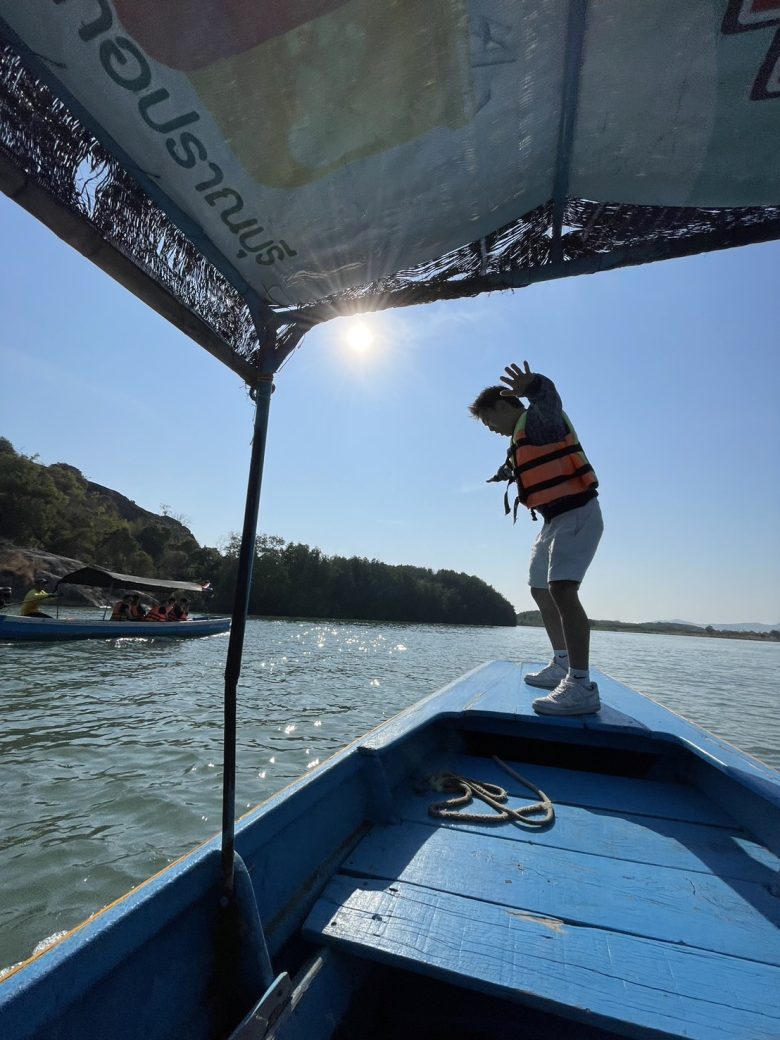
(755, 813)
(293, 843)
(724, 852)
(678, 906)
(321, 997)
(609, 718)
(595, 790)
(478, 690)
(497, 690)
(37, 630)
(83, 987)
(590, 974)
(667, 726)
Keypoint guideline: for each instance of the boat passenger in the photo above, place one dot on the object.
(553, 477)
(168, 609)
(137, 612)
(121, 611)
(181, 609)
(157, 613)
(35, 597)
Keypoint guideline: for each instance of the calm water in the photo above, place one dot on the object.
(111, 751)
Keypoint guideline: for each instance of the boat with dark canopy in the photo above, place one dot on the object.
(14, 628)
(251, 170)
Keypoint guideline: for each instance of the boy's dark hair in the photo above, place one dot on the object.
(490, 396)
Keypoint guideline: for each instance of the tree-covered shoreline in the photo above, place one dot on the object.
(533, 619)
(56, 509)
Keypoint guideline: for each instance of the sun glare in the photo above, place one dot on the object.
(359, 337)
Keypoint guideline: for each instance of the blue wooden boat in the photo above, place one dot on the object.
(251, 175)
(14, 628)
(647, 907)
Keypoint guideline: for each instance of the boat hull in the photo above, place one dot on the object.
(21, 629)
(661, 864)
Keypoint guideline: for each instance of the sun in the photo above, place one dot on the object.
(359, 337)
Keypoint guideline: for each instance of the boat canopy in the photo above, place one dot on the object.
(253, 168)
(97, 578)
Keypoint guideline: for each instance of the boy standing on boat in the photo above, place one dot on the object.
(555, 479)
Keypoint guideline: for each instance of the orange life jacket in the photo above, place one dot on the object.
(156, 614)
(137, 611)
(545, 473)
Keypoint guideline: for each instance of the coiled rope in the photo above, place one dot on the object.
(466, 790)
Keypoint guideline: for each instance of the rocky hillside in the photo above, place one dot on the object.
(19, 567)
(53, 520)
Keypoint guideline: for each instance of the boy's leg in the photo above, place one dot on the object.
(575, 694)
(573, 621)
(548, 677)
(576, 537)
(551, 617)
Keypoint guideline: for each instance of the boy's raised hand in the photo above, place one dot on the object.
(516, 380)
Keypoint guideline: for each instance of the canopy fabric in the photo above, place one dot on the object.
(98, 578)
(337, 151)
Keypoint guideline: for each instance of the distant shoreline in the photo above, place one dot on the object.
(532, 619)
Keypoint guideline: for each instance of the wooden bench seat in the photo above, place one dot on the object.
(590, 974)
(643, 904)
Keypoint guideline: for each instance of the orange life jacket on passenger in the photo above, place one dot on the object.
(137, 611)
(545, 473)
(156, 614)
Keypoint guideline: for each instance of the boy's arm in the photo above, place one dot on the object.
(545, 422)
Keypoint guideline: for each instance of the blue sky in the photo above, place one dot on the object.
(670, 373)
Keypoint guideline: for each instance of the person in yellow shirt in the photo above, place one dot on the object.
(32, 601)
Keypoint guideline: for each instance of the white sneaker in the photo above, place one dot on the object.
(548, 678)
(569, 697)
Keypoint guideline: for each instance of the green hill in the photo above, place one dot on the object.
(65, 520)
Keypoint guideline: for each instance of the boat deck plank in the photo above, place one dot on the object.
(615, 833)
(497, 691)
(590, 974)
(643, 904)
(507, 694)
(674, 905)
(661, 799)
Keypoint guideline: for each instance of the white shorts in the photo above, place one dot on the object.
(566, 545)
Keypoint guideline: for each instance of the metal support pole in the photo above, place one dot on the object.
(575, 39)
(246, 560)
